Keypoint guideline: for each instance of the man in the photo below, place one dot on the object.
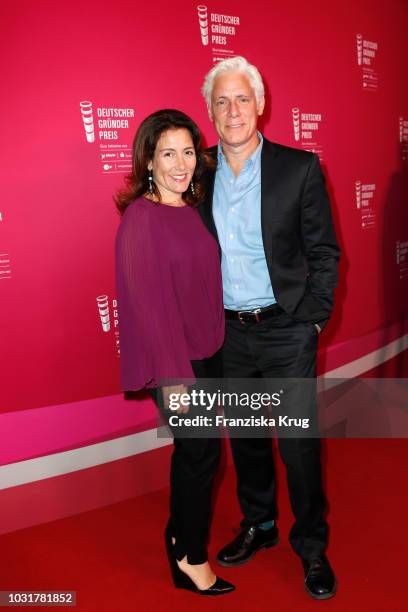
(268, 207)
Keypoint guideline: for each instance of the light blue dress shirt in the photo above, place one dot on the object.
(237, 216)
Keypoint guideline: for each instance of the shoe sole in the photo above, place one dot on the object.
(236, 563)
(325, 596)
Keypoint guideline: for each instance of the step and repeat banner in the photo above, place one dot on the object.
(77, 80)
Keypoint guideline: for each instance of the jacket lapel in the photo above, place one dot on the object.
(206, 206)
(269, 199)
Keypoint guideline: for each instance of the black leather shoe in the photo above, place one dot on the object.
(320, 581)
(246, 544)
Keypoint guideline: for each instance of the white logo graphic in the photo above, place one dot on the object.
(203, 21)
(87, 118)
(403, 130)
(403, 137)
(296, 122)
(366, 55)
(402, 250)
(105, 317)
(110, 128)
(5, 269)
(401, 258)
(217, 29)
(359, 39)
(358, 194)
(306, 130)
(103, 307)
(365, 203)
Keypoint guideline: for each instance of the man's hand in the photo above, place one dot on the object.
(178, 390)
(317, 326)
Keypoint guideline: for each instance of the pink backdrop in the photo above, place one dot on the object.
(336, 82)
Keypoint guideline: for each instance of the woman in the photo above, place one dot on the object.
(171, 318)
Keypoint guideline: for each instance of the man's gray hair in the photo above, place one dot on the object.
(233, 64)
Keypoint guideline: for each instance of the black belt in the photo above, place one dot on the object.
(253, 316)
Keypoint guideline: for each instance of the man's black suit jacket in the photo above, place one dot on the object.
(297, 230)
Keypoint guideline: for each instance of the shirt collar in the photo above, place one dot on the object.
(250, 162)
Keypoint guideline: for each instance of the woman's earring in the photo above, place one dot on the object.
(150, 181)
(192, 188)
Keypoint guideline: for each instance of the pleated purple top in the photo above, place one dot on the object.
(169, 292)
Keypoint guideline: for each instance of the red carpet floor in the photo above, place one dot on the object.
(114, 559)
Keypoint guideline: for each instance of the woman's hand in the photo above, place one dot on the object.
(178, 390)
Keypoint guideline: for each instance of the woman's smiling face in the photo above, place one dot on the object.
(173, 164)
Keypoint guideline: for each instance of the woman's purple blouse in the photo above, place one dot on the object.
(169, 292)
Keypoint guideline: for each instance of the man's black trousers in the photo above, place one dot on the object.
(278, 347)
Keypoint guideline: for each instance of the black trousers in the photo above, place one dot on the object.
(278, 347)
(194, 463)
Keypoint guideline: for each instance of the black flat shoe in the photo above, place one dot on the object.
(320, 581)
(182, 581)
(246, 545)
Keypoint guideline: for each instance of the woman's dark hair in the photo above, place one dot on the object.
(144, 146)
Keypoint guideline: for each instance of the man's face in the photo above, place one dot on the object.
(234, 109)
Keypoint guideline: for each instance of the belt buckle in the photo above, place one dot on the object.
(254, 313)
(240, 313)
